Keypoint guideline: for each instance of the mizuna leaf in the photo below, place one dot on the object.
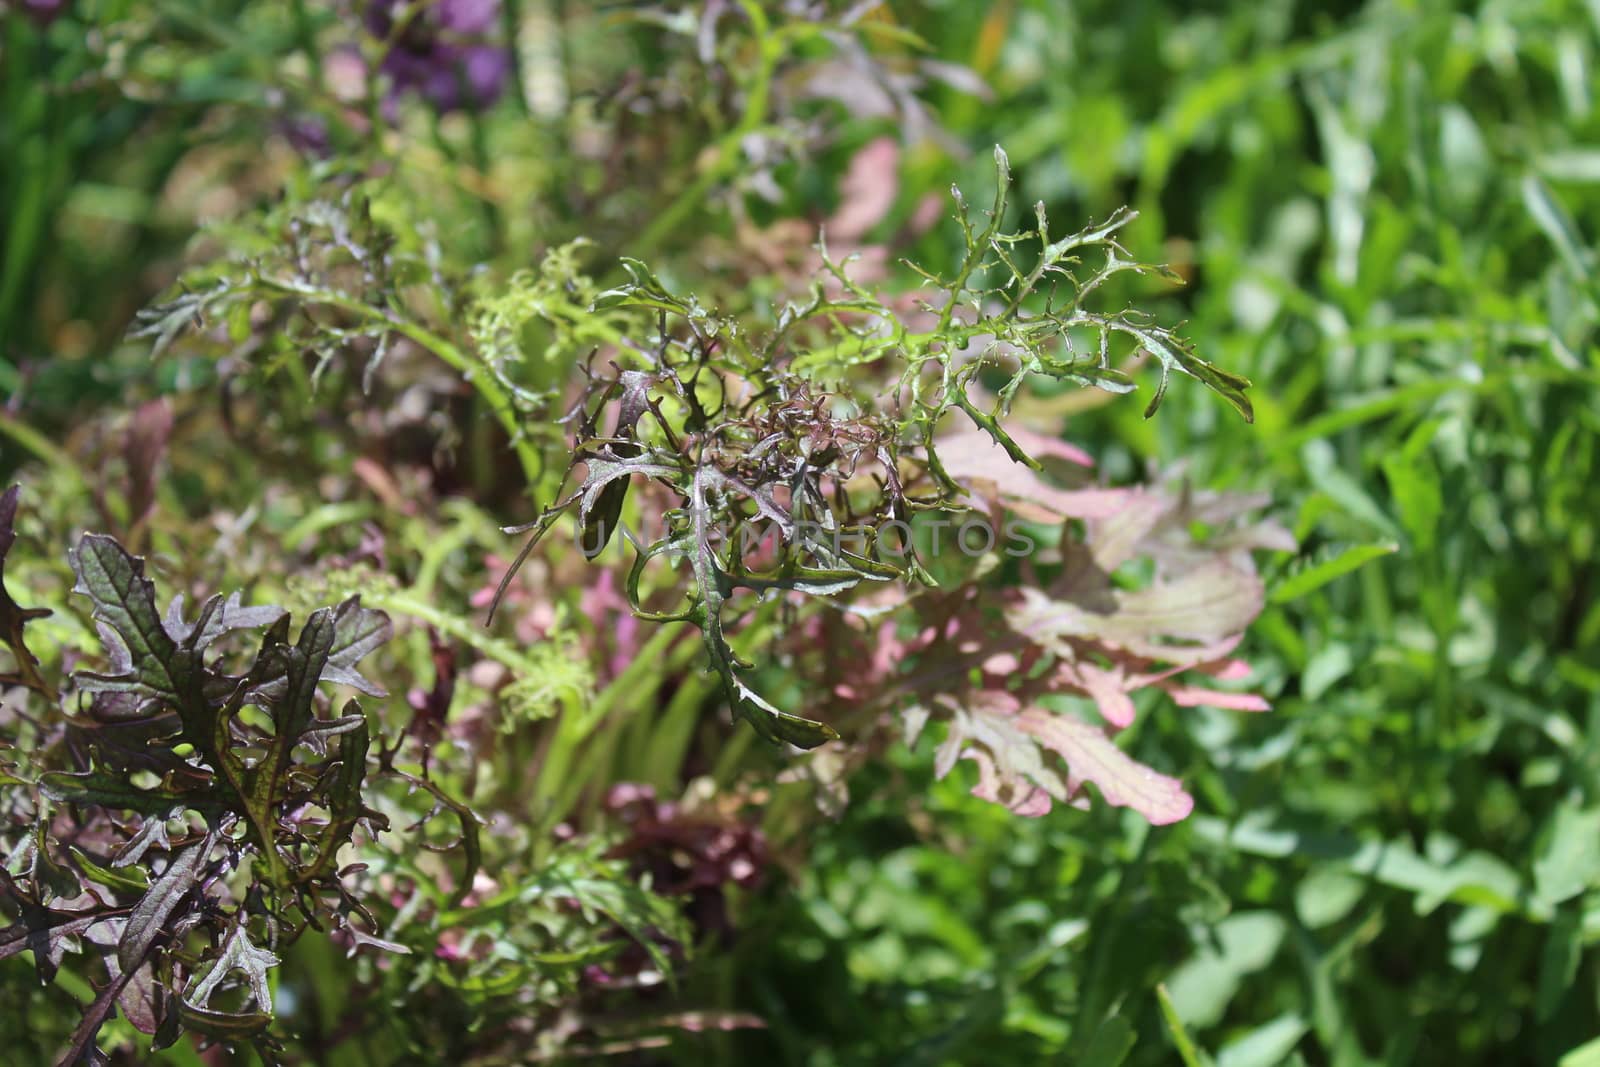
(153, 834)
(1205, 605)
(222, 1025)
(1202, 607)
(143, 999)
(148, 920)
(1176, 354)
(1011, 769)
(81, 1048)
(42, 931)
(354, 633)
(238, 954)
(779, 725)
(293, 708)
(813, 581)
(344, 795)
(13, 616)
(771, 723)
(991, 426)
(144, 656)
(1008, 741)
(1093, 757)
(216, 618)
(1087, 634)
(53, 877)
(121, 881)
(304, 664)
(601, 518)
(987, 469)
(113, 791)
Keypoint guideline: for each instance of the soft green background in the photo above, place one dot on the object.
(1391, 211)
(1390, 216)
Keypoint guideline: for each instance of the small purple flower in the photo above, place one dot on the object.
(442, 50)
(44, 12)
(308, 135)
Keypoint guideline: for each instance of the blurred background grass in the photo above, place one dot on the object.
(1388, 217)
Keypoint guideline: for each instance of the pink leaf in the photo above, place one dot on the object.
(973, 458)
(1094, 757)
(867, 192)
(1109, 688)
(1030, 800)
(1097, 631)
(1191, 697)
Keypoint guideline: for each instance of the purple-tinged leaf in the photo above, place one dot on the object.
(143, 1000)
(148, 432)
(353, 633)
(1173, 619)
(238, 954)
(226, 1026)
(125, 601)
(51, 876)
(153, 834)
(985, 468)
(1093, 757)
(46, 931)
(106, 790)
(81, 1049)
(216, 618)
(148, 920)
(13, 616)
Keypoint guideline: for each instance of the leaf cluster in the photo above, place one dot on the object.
(757, 438)
(208, 792)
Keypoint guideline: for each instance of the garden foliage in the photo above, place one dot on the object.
(550, 531)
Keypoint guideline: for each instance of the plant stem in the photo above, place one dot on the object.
(725, 158)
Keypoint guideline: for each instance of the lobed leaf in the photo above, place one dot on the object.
(13, 616)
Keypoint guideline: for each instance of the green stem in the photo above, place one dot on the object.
(725, 159)
(52, 454)
(306, 34)
(404, 603)
(479, 376)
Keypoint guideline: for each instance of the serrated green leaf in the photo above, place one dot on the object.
(1414, 481)
(1329, 563)
(106, 790)
(124, 880)
(1112, 1041)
